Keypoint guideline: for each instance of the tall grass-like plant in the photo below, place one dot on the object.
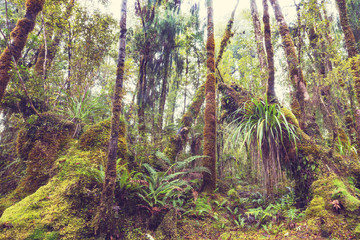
(263, 129)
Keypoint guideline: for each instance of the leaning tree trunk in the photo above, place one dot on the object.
(177, 143)
(296, 74)
(353, 54)
(18, 40)
(209, 181)
(350, 44)
(270, 92)
(259, 38)
(105, 220)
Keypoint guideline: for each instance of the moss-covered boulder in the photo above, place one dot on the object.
(96, 139)
(334, 209)
(61, 209)
(38, 145)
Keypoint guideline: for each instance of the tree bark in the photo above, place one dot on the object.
(53, 47)
(19, 37)
(105, 219)
(163, 92)
(177, 143)
(350, 45)
(259, 38)
(270, 92)
(209, 180)
(296, 74)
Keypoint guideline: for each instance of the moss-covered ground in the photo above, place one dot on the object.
(63, 206)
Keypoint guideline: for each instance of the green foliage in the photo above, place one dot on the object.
(201, 207)
(264, 130)
(262, 123)
(85, 108)
(160, 188)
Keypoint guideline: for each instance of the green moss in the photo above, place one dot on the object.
(96, 139)
(39, 144)
(357, 231)
(290, 117)
(350, 202)
(59, 209)
(316, 208)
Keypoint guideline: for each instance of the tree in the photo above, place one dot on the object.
(19, 37)
(270, 92)
(104, 220)
(209, 181)
(259, 38)
(296, 74)
(350, 45)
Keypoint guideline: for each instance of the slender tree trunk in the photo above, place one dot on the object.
(19, 37)
(259, 38)
(52, 48)
(350, 45)
(296, 74)
(105, 220)
(209, 181)
(270, 92)
(163, 94)
(178, 142)
(354, 58)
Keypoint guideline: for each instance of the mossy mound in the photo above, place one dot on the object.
(96, 139)
(61, 209)
(38, 145)
(334, 209)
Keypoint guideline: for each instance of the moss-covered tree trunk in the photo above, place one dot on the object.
(270, 92)
(141, 96)
(163, 93)
(209, 183)
(105, 220)
(353, 53)
(259, 38)
(177, 143)
(296, 74)
(19, 37)
(350, 44)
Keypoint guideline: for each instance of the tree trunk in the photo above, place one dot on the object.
(226, 36)
(105, 220)
(141, 99)
(163, 94)
(18, 40)
(177, 143)
(350, 45)
(52, 48)
(259, 38)
(209, 180)
(270, 92)
(353, 55)
(296, 75)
